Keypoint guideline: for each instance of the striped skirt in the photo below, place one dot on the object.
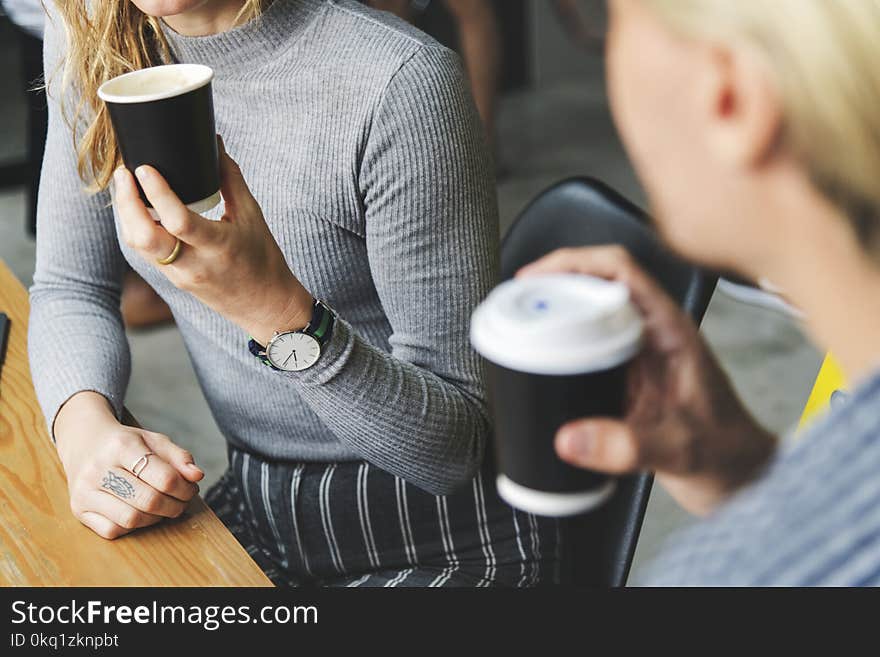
(352, 524)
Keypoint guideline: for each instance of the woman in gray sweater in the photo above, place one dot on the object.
(363, 180)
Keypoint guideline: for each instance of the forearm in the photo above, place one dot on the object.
(727, 447)
(76, 341)
(431, 238)
(481, 48)
(76, 346)
(405, 419)
(714, 479)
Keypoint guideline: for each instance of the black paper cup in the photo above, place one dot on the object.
(557, 349)
(164, 116)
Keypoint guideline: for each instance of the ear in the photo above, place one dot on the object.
(743, 107)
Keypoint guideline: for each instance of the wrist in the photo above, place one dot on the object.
(291, 311)
(84, 411)
(756, 448)
(743, 456)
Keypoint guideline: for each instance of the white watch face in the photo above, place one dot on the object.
(293, 352)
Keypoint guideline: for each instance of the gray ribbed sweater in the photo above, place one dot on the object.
(359, 139)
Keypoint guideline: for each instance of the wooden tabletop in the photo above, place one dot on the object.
(42, 544)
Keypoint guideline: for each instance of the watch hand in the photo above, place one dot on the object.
(287, 359)
(294, 356)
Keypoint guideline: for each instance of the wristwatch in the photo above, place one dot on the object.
(294, 351)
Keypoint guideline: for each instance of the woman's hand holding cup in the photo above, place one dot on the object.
(683, 418)
(234, 265)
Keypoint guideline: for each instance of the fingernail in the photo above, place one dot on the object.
(119, 175)
(574, 440)
(141, 172)
(193, 466)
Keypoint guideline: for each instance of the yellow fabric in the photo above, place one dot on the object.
(829, 380)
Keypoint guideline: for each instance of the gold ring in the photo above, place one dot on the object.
(141, 464)
(171, 256)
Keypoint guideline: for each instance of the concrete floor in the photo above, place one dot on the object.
(558, 129)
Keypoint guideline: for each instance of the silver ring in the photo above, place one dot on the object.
(141, 464)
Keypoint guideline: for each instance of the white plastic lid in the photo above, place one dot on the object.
(557, 324)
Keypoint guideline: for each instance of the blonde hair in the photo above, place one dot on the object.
(105, 39)
(824, 55)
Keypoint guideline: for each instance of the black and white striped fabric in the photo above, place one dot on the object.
(353, 524)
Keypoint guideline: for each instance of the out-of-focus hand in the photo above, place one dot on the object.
(683, 418)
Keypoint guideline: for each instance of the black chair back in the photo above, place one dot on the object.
(599, 546)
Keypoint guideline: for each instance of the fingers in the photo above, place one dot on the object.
(598, 444)
(112, 501)
(156, 471)
(118, 512)
(663, 316)
(102, 526)
(176, 218)
(615, 447)
(139, 229)
(610, 262)
(180, 459)
(236, 193)
(128, 488)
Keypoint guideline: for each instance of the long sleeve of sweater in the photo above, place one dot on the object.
(76, 339)
(432, 241)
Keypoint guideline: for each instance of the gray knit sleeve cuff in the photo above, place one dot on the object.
(60, 396)
(103, 371)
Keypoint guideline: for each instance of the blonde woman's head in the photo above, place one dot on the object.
(106, 38)
(726, 106)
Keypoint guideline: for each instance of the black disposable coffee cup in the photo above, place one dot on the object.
(164, 116)
(557, 349)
